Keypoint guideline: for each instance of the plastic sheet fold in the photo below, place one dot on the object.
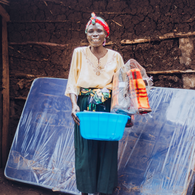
(156, 155)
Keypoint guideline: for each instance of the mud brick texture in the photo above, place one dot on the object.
(43, 33)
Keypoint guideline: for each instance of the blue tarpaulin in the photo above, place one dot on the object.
(156, 155)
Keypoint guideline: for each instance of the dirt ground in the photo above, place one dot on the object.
(8, 187)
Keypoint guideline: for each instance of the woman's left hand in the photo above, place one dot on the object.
(75, 108)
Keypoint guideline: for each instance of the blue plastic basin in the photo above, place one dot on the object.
(102, 125)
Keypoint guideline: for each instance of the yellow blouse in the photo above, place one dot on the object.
(87, 72)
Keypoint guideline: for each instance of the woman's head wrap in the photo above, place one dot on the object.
(95, 19)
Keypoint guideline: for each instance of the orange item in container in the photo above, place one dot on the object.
(137, 84)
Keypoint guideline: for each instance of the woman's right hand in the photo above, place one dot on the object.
(75, 108)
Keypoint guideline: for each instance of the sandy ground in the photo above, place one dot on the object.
(8, 187)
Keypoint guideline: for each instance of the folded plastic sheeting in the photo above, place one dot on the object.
(156, 155)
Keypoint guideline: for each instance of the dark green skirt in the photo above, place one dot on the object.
(95, 161)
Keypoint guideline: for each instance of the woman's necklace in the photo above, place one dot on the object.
(99, 68)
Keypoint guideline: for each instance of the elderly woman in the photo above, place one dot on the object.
(92, 69)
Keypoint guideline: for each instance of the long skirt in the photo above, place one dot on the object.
(95, 161)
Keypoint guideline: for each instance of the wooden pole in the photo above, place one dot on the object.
(159, 38)
(21, 74)
(171, 72)
(4, 14)
(5, 92)
(51, 44)
(123, 42)
(6, 2)
(39, 43)
(40, 21)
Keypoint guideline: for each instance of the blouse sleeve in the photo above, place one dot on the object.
(73, 76)
(120, 62)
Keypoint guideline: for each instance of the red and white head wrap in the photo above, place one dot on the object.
(95, 19)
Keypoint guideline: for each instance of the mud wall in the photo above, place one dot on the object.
(43, 33)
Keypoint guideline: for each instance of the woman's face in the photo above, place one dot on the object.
(96, 35)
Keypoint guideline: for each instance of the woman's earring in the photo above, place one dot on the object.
(104, 43)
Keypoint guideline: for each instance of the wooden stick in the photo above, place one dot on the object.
(19, 98)
(26, 58)
(5, 92)
(117, 23)
(4, 2)
(190, 20)
(40, 21)
(171, 72)
(39, 43)
(20, 74)
(51, 44)
(163, 37)
(45, 3)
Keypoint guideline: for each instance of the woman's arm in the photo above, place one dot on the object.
(75, 108)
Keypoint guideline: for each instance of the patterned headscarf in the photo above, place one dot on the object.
(95, 19)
